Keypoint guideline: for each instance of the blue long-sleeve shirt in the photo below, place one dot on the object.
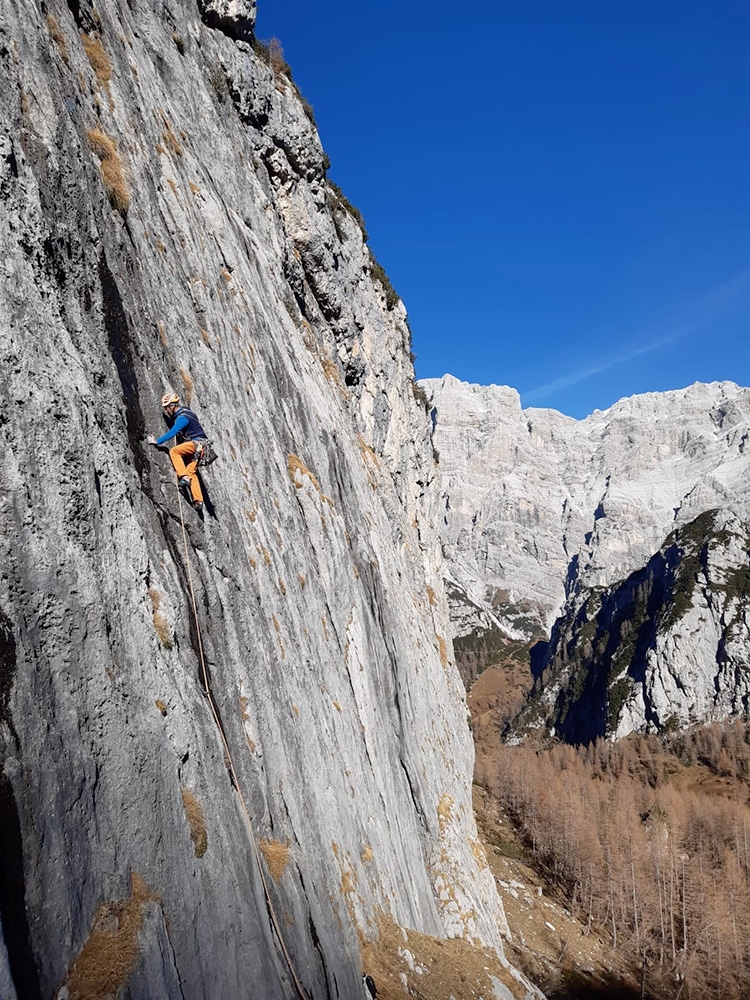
(179, 425)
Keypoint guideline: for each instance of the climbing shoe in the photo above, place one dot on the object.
(184, 482)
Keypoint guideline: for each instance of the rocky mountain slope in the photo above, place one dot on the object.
(168, 225)
(556, 525)
(664, 648)
(537, 503)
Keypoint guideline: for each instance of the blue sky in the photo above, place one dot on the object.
(560, 193)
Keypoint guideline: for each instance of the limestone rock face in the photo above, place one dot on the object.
(236, 18)
(168, 225)
(666, 647)
(537, 505)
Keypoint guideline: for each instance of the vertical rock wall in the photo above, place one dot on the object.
(167, 224)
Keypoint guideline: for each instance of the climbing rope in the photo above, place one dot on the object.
(230, 762)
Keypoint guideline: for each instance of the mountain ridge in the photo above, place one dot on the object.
(552, 527)
(537, 503)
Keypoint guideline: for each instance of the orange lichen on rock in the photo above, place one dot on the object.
(445, 810)
(297, 469)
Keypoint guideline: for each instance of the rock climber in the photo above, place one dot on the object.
(190, 440)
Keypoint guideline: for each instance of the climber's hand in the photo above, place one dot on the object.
(151, 439)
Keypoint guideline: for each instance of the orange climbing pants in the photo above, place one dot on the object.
(178, 454)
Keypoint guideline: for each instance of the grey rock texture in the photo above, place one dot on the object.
(538, 505)
(167, 224)
(666, 647)
(236, 18)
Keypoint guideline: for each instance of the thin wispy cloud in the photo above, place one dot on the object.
(697, 315)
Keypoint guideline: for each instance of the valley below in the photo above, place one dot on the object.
(623, 867)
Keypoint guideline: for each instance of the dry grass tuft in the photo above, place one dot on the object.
(59, 38)
(109, 953)
(162, 629)
(197, 822)
(170, 139)
(113, 175)
(331, 371)
(160, 620)
(302, 580)
(276, 57)
(277, 854)
(366, 854)
(161, 705)
(100, 63)
(443, 651)
(189, 384)
(431, 597)
(448, 968)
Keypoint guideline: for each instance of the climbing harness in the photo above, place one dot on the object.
(204, 452)
(231, 768)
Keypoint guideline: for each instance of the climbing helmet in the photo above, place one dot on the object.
(168, 399)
